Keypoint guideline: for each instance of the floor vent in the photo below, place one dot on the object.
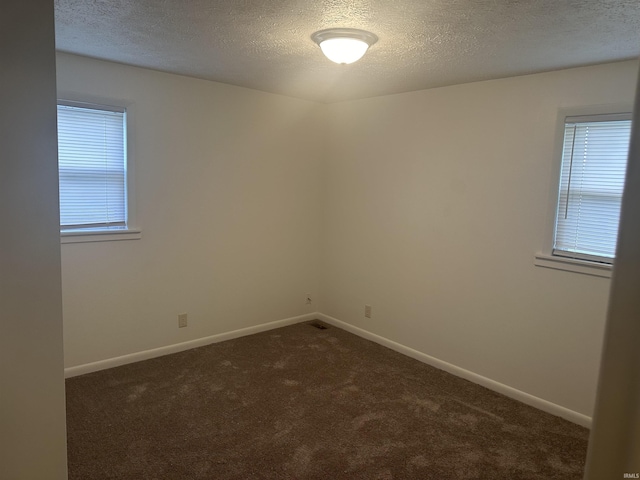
(318, 324)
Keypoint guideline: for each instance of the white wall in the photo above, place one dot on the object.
(227, 197)
(32, 415)
(435, 203)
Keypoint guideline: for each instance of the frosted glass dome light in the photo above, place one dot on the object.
(344, 49)
(344, 45)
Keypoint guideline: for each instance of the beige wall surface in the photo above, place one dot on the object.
(226, 186)
(435, 203)
(32, 410)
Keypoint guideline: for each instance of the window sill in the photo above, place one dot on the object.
(100, 236)
(573, 265)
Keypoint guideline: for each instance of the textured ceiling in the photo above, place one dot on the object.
(266, 45)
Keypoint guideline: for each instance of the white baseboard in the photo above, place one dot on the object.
(180, 347)
(521, 396)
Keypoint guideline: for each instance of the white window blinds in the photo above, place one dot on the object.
(92, 167)
(594, 161)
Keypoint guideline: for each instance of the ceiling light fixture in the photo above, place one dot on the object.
(344, 45)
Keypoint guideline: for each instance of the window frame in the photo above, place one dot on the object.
(545, 256)
(131, 231)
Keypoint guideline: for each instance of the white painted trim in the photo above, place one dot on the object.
(180, 347)
(75, 236)
(521, 396)
(573, 265)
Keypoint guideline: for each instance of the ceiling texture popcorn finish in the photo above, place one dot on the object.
(266, 45)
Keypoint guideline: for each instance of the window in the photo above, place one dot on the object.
(594, 161)
(592, 150)
(92, 163)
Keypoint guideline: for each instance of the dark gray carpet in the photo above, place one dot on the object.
(304, 403)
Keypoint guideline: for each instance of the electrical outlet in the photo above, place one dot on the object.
(182, 320)
(367, 311)
(308, 300)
